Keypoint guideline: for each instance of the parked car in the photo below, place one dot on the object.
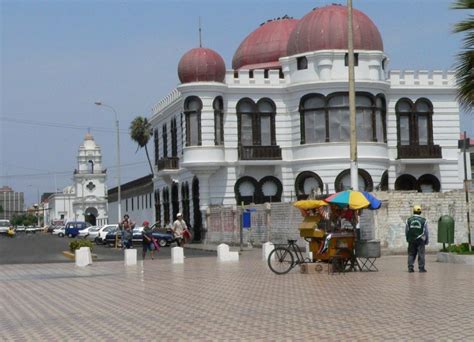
(20, 229)
(60, 231)
(85, 232)
(73, 227)
(99, 236)
(136, 236)
(4, 225)
(164, 236)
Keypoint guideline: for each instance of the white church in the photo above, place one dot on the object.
(86, 199)
(275, 126)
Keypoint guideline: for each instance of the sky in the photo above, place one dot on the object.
(59, 57)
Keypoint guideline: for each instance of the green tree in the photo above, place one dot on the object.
(465, 59)
(141, 132)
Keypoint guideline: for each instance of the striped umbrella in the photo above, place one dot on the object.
(349, 199)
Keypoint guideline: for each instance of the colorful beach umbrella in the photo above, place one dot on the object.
(309, 204)
(349, 199)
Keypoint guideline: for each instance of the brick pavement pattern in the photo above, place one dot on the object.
(206, 300)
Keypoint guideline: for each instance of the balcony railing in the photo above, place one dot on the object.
(168, 163)
(419, 151)
(260, 153)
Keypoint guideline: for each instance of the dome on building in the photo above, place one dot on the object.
(201, 65)
(325, 28)
(262, 48)
(88, 137)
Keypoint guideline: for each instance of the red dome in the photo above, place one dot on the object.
(326, 29)
(262, 48)
(201, 65)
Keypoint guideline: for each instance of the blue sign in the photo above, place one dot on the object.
(246, 220)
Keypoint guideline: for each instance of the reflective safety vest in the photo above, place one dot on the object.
(415, 227)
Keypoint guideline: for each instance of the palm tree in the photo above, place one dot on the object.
(465, 59)
(140, 132)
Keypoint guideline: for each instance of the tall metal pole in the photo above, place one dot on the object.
(119, 197)
(352, 110)
(466, 188)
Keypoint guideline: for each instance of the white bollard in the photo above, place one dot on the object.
(222, 252)
(83, 256)
(177, 255)
(130, 257)
(233, 256)
(267, 248)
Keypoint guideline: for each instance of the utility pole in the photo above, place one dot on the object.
(352, 109)
(465, 145)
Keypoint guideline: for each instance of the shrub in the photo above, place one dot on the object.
(76, 244)
(463, 248)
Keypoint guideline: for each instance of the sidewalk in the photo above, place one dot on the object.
(204, 299)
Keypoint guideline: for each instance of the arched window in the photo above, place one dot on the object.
(313, 117)
(380, 119)
(197, 216)
(428, 183)
(166, 206)
(256, 122)
(266, 123)
(156, 144)
(339, 125)
(164, 136)
(306, 184)
(343, 181)
(174, 138)
(383, 186)
(185, 201)
(192, 110)
(246, 190)
(270, 189)
(174, 200)
(324, 119)
(405, 182)
(414, 122)
(246, 111)
(218, 121)
(90, 166)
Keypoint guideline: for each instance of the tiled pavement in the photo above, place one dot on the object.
(205, 300)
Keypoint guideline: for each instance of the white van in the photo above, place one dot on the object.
(4, 225)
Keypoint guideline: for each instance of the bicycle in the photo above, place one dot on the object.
(281, 260)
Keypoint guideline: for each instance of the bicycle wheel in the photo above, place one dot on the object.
(280, 260)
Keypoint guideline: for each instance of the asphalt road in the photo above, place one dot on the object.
(41, 248)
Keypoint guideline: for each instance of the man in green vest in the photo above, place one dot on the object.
(416, 232)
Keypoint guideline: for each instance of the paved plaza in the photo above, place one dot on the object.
(207, 300)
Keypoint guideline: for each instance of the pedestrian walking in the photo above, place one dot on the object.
(180, 230)
(417, 235)
(127, 226)
(148, 243)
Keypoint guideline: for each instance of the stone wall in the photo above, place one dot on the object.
(278, 222)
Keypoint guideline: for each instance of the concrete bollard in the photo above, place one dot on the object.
(83, 256)
(130, 257)
(177, 255)
(224, 254)
(267, 248)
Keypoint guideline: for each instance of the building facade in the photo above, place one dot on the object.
(275, 127)
(136, 201)
(86, 199)
(11, 202)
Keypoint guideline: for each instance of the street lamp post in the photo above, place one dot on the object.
(119, 198)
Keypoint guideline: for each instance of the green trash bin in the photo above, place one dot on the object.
(446, 230)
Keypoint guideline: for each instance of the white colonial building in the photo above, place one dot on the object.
(275, 127)
(86, 199)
